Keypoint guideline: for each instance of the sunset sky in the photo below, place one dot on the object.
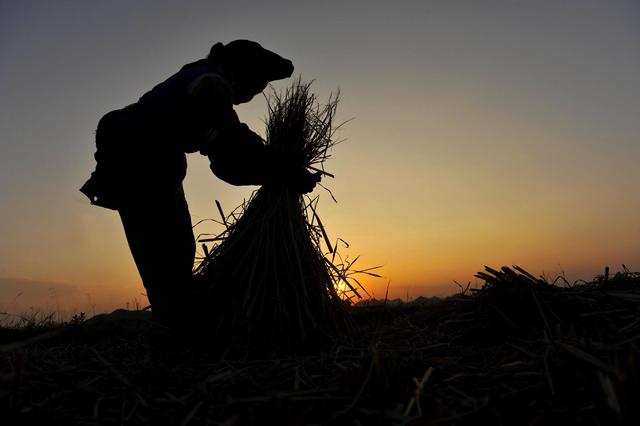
(489, 132)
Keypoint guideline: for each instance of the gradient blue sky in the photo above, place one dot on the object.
(492, 132)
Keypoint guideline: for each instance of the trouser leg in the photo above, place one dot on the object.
(160, 237)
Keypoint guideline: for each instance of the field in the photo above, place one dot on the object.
(520, 350)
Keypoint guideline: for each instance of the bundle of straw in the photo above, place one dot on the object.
(268, 281)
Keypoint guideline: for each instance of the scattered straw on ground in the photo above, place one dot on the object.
(520, 350)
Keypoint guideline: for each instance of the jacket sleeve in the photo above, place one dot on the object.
(239, 156)
(211, 100)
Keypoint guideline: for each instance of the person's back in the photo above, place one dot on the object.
(141, 147)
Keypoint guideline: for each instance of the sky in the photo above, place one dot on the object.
(481, 133)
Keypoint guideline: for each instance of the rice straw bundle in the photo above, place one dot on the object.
(268, 280)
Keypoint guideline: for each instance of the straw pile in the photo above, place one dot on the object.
(268, 281)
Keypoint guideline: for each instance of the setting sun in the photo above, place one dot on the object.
(343, 290)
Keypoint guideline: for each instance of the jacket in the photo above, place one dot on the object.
(140, 149)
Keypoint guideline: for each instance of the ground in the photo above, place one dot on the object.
(520, 350)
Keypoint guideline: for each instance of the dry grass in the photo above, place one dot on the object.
(268, 277)
(520, 350)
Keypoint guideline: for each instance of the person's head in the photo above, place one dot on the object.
(249, 67)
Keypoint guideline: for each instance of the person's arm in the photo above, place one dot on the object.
(238, 155)
(210, 107)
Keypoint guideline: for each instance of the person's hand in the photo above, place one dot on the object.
(307, 181)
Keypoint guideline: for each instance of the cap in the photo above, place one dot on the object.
(250, 58)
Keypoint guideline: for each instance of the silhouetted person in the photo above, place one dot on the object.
(141, 162)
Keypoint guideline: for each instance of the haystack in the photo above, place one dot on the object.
(268, 281)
